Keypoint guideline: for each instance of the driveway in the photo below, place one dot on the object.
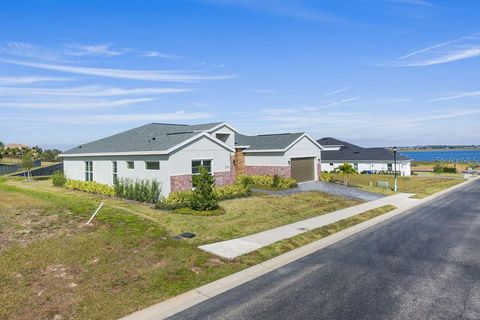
(423, 264)
(332, 188)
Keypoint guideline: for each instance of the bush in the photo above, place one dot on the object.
(182, 199)
(58, 179)
(267, 181)
(275, 181)
(91, 186)
(203, 197)
(175, 200)
(138, 190)
(327, 176)
(438, 168)
(449, 170)
(231, 191)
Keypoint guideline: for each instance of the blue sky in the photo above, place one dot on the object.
(378, 73)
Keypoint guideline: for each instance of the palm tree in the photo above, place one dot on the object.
(346, 169)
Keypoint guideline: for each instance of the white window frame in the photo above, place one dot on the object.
(201, 164)
(115, 171)
(88, 170)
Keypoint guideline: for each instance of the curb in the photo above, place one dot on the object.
(193, 297)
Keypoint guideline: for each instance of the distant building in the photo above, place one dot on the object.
(16, 146)
(372, 160)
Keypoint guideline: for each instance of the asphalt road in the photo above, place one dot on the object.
(424, 264)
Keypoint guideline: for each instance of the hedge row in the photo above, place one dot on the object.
(91, 186)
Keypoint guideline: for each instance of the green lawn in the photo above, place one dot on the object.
(421, 186)
(51, 263)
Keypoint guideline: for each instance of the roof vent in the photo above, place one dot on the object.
(79, 147)
(356, 152)
(154, 138)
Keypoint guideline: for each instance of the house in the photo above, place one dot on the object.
(172, 153)
(374, 160)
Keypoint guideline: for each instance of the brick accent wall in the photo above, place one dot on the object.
(223, 178)
(181, 182)
(282, 171)
(239, 162)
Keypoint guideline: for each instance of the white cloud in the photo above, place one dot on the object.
(87, 91)
(158, 54)
(449, 51)
(29, 80)
(81, 50)
(148, 75)
(71, 104)
(457, 96)
(337, 91)
(28, 50)
(83, 119)
(415, 2)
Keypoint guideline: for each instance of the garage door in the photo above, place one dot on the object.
(303, 169)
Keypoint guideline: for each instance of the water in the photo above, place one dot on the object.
(455, 156)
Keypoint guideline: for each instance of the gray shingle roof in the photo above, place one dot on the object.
(353, 152)
(150, 137)
(267, 141)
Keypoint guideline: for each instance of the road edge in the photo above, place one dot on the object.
(193, 297)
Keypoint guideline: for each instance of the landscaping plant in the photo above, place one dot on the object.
(138, 190)
(203, 197)
(58, 179)
(91, 186)
(267, 182)
(27, 164)
(346, 170)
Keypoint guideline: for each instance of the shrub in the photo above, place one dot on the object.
(275, 181)
(327, 176)
(175, 200)
(267, 181)
(231, 191)
(91, 186)
(438, 168)
(138, 190)
(449, 170)
(182, 199)
(58, 179)
(203, 197)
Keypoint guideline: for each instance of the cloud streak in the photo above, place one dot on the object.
(449, 51)
(29, 80)
(457, 96)
(87, 91)
(146, 75)
(72, 104)
(82, 119)
(337, 91)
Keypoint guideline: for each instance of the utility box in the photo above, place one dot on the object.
(382, 184)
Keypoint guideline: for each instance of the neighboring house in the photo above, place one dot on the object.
(172, 153)
(372, 160)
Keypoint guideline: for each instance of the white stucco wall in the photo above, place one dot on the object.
(226, 130)
(403, 167)
(178, 163)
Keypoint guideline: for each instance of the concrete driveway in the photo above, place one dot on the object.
(332, 188)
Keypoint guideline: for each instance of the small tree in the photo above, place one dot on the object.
(346, 169)
(203, 197)
(27, 164)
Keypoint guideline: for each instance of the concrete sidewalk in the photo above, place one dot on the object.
(231, 249)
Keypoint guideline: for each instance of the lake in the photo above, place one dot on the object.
(459, 156)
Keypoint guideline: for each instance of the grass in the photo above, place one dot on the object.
(51, 263)
(421, 186)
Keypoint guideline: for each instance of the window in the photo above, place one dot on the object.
(196, 164)
(355, 165)
(331, 164)
(130, 165)
(222, 136)
(88, 171)
(114, 169)
(389, 167)
(152, 165)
